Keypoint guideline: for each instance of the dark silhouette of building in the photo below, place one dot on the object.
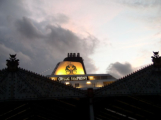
(27, 95)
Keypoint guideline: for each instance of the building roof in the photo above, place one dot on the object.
(23, 84)
(141, 82)
(136, 96)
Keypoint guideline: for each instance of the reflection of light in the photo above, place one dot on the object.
(88, 82)
(91, 77)
(99, 85)
(67, 83)
(54, 78)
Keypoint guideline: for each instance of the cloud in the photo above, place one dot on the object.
(65, 40)
(27, 28)
(61, 18)
(55, 37)
(118, 69)
(141, 3)
(40, 45)
(60, 41)
(147, 13)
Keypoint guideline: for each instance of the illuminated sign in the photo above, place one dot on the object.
(79, 78)
(63, 78)
(72, 78)
(69, 68)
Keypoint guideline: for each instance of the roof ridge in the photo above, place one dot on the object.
(137, 71)
(124, 77)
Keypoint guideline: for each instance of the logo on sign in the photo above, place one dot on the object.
(71, 69)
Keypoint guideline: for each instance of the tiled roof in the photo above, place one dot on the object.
(144, 81)
(23, 84)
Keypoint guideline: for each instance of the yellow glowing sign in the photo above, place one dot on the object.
(69, 68)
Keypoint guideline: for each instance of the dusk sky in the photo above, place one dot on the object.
(113, 36)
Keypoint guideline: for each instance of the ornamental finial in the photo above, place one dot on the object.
(156, 59)
(12, 63)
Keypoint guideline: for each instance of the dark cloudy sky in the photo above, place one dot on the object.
(112, 36)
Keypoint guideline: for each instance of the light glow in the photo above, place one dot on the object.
(91, 77)
(67, 83)
(99, 85)
(63, 70)
(88, 82)
(54, 78)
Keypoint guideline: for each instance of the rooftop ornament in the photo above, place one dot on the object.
(156, 59)
(12, 63)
